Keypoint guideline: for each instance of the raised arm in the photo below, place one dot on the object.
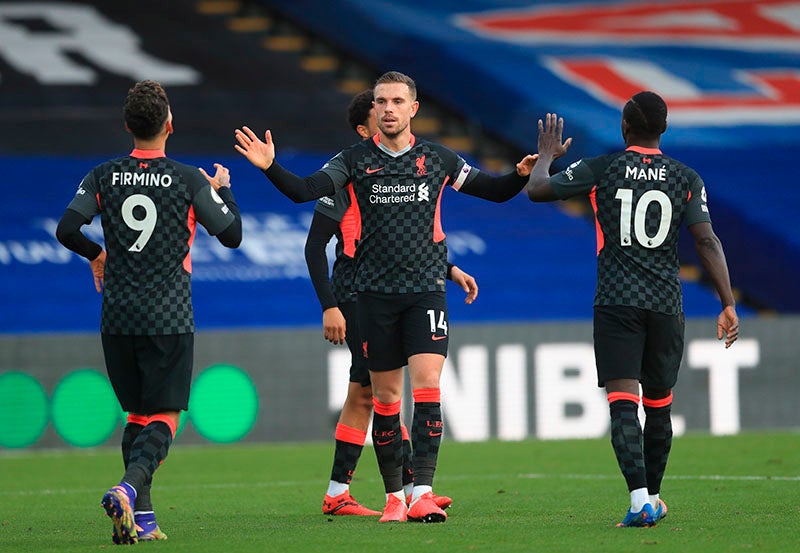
(502, 188)
(231, 236)
(550, 149)
(262, 155)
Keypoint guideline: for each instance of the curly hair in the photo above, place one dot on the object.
(358, 110)
(146, 109)
(646, 113)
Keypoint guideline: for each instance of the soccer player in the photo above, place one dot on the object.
(149, 206)
(401, 265)
(641, 198)
(335, 216)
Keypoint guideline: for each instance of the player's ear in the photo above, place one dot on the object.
(414, 107)
(127, 128)
(168, 125)
(362, 131)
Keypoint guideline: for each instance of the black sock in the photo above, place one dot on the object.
(147, 452)
(143, 500)
(408, 465)
(349, 444)
(426, 436)
(657, 444)
(129, 435)
(626, 437)
(387, 440)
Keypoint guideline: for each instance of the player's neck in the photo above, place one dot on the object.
(159, 144)
(398, 142)
(653, 144)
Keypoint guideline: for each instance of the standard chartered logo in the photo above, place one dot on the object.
(393, 194)
(84, 411)
(424, 194)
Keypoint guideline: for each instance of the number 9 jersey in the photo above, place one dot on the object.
(640, 199)
(149, 206)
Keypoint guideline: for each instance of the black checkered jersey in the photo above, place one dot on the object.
(149, 206)
(640, 197)
(401, 246)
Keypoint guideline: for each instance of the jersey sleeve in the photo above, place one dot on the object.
(322, 230)
(334, 206)
(338, 169)
(457, 168)
(697, 208)
(464, 174)
(209, 208)
(85, 201)
(579, 178)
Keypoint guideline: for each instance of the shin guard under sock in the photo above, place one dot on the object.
(626, 438)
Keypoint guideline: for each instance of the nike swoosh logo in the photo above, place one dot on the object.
(370, 170)
(387, 442)
(434, 434)
(437, 338)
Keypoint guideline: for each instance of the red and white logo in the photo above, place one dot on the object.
(735, 24)
(774, 96)
(763, 95)
(421, 171)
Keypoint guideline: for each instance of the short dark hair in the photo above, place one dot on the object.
(146, 109)
(397, 77)
(646, 113)
(359, 108)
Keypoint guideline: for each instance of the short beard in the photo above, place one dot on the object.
(392, 135)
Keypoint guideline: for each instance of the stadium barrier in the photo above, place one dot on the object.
(501, 381)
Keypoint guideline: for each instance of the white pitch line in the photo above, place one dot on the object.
(528, 476)
(720, 477)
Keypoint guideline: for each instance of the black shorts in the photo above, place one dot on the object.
(150, 374)
(359, 372)
(636, 343)
(397, 326)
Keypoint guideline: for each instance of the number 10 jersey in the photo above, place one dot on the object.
(640, 199)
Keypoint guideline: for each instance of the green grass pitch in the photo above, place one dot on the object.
(725, 494)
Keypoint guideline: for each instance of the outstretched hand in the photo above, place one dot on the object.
(550, 137)
(261, 154)
(525, 166)
(222, 177)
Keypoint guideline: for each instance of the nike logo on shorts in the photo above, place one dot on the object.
(436, 338)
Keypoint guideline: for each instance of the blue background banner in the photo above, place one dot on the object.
(728, 70)
(532, 262)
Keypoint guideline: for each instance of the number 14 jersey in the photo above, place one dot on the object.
(640, 199)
